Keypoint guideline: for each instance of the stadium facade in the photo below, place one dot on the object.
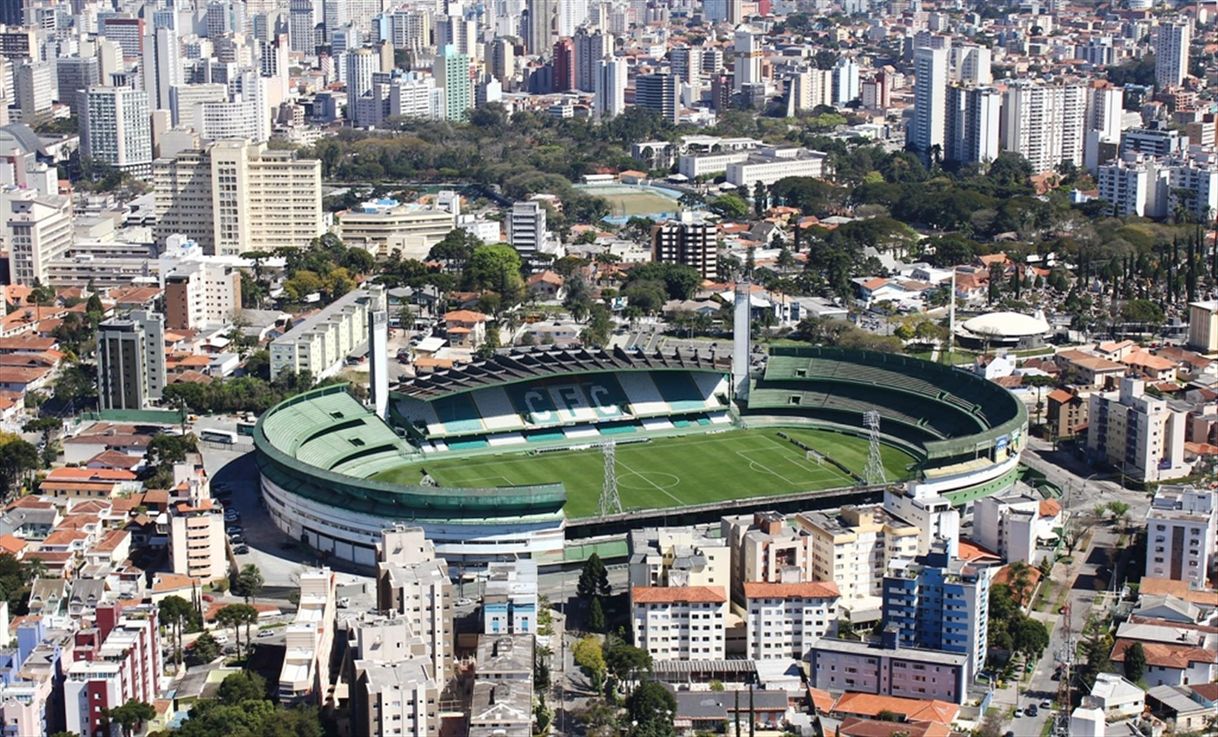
(321, 453)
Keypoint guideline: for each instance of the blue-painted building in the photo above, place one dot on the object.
(937, 602)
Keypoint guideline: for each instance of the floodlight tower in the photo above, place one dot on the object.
(741, 341)
(378, 349)
(610, 502)
(873, 473)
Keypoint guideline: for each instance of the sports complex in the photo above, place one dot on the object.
(497, 458)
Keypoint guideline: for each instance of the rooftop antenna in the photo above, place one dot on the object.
(873, 473)
(610, 502)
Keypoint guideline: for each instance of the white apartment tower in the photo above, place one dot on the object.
(234, 196)
(748, 57)
(117, 129)
(161, 66)
(527, 228)
(929, 128)
(1171, 52)
(40, 231)
(610, 99)
(1181, 532)
(1044, 123)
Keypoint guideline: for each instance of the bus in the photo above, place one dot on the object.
(246, 427)
(223, 437)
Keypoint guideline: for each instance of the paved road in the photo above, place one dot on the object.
(1089, 576)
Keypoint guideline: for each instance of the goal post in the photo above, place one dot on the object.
(812, 455)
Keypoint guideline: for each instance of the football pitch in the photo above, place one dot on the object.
(671, 472)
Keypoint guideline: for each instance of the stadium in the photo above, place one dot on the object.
(497, 458)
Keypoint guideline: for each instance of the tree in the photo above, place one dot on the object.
(589, 656)
(495, 268)
(1135, 662)
(457, 247)
(130, 715)
(593, 579)
(1119, 511)
(243, 686)
(1029, 636)
(235, 615)
(625, 661)
(596, 616)
(1020, 579)
(17, 459)
(1142, 311)
(249, 582)
(175, 611)
(650, 703)
(729, 206)
(204, 650)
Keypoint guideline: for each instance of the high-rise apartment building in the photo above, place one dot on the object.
(928, 131)
(34, 90)
(973, 123)
(161, 66)
(591, 47)
(1171, 41)
(937, 602)
(1139, 434)
(526, 228)
(453, 75)
(74, 75)
(303, 17)
(845, 81)
(1181, 534)
(971, 64)
(130, 361)
(542, 17)
(610, 88)
(810, 88)
(747, 47)
(200, 295)
(234, 196)
(1203, 326)
(854, 549)
(117, 129)
(564, 62)
(117, 660)
(40, 231)
(412, 582)
(660, 94)
(1044, 123)
(689, 241)
(198, 546)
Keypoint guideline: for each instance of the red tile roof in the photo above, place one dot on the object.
(809, 590)
(914, 710)
(675, 594)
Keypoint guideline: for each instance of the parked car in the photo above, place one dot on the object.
(237, 539)
(1046, 704)
(265, 633)
(241, 549)
(1032, 711)
(234, 529)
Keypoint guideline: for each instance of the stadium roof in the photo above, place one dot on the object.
(527, 364)
(1006, 325)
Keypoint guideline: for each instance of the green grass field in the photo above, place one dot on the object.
(671, 472)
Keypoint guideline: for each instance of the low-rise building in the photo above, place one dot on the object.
(320, 343)
(1015, 524)
(501, 704)
(509, 599)
(1117, 697)
(886, 669)
(387, 225)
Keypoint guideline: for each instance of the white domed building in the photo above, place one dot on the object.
(1003, 330)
